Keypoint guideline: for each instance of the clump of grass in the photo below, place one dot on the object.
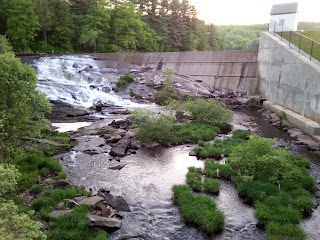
(241, 134)
(218, 148)
(194, 179)
(285, 232)
(50, 198)
(193, 132)
(135, 95)
(124, 81)
(211, 185)
(216, 170)
(60, 137)
(198, 210)
(33, 165)
(73, 226)
(36, 188)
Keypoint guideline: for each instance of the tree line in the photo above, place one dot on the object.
(104, 26)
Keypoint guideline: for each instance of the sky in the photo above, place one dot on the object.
(240, 12)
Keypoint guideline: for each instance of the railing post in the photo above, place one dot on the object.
(281, 32)
(290, 38)
(299, 43)
(311, 50)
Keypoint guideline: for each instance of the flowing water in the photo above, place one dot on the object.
(148, 176)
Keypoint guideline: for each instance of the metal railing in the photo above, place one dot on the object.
(305, 45)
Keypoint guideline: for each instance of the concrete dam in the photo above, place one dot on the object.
(285, 78)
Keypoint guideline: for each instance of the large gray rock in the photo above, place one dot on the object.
(120, 148)
(112, 139)
(91, 201)
(116, 202)
(59, 213)
(308, 141)
(99, 221)
(135, 144)
(295, 132)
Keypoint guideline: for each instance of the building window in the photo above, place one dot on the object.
(281, 22)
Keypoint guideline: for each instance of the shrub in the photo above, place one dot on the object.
(153, 127)
(124, 81)
(211, 185)
(204, 111)
(36, 188)
(73, 226)
(198, 210)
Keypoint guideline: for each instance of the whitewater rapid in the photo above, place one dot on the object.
(77, 80)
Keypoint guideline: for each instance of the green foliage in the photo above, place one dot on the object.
(241, 134)
(16, 225)
(22, 24)
(285, 232)
(5, 46)
(216, 170)
(124, 81)
(277, 182)
(33, 165)
(9, 176)
(211, 185)
(198, 210)
(73, 226)
(135, 95)
(166, 93)
(161, 128)
(19, 97)
(153, 127)
(218, 148)
(51, 197)
(194, 179)
(205, 111)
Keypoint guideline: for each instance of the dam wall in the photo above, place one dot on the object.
(234, 69)
(288, 78)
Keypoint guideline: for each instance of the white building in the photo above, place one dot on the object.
(283, 17)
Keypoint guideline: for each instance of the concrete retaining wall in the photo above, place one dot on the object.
(288, 78)
(236, 70)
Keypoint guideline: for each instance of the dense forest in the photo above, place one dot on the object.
(104, 26)
(61, 26)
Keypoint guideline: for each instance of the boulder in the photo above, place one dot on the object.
(135, 144)
(91, 201)
(59, 213)
(120, 148)
(308, 141)
(106, 89)
(266, 114)
(273, 115)
(192, 153)
(112, 139)
(116, 202)
(151, 145)
(274, 119)
(99, 221)
(71, 203)
(105, 211)
(61, 183)
(295, 132)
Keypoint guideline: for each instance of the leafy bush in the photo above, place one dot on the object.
(211, 185)
(153, 127)
(36, 188)
(73, 226)
(198, 210)
(9, 177)
(204, 111)
(124, 81)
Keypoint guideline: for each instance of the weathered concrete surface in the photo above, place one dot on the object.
(288, 78)
(306, 125)
(235, 69)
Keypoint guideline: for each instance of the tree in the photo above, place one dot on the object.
(15, 225)
(22, 24)
(22, 107)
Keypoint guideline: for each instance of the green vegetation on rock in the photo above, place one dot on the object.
(124, 81)
(198, 210)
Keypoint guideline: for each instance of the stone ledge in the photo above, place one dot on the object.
(306, 125)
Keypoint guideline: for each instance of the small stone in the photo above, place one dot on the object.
(99, 221)
(60, 183)
(71, 203)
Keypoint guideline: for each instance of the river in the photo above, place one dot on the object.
(149, 175)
